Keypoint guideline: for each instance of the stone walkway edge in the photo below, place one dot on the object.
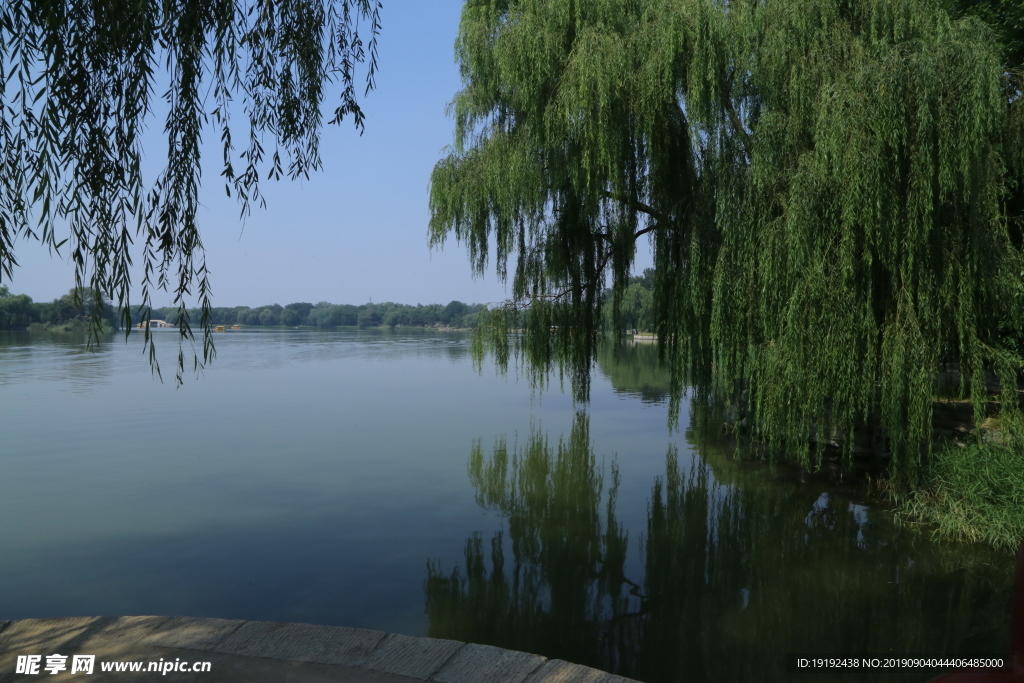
(426, 659)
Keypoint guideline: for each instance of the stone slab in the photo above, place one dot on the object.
(123, 630)
(191, 633)
(413, 657)
(304, 643)
(31, 635)
(265, 652)
(224, 668)
(475, 663)
(560, 671)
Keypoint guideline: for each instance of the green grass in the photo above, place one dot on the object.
(971, 492)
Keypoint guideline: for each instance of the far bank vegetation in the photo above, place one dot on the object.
(68, 313)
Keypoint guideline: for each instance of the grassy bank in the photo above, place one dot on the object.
(970, 492)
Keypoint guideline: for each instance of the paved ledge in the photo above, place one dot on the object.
(268, 652)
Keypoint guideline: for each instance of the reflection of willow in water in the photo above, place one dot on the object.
(565, 591)
(635, 369)
(738, 576)
(735, 576)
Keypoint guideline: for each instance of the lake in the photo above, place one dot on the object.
(375, 479)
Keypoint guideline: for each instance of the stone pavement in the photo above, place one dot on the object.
(266, 652)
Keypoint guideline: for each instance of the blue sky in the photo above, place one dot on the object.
(354, 232)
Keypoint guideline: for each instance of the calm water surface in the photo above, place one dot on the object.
(375, 480)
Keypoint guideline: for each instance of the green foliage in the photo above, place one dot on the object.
(972, 492)
(453, 312)
(369, 316)
(829, 187)
(269, 317)
(77, 82)
(323, 315)
(290, 317)
(300, 311)
(634, 306)
(1005, 16)
(79, 309)
(16, 310)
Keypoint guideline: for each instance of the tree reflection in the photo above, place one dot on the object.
(565, 591)
(635, 370)
(735, 575)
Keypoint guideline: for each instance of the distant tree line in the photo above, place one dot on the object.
(324, 315)
(73, 310)
(632, 308)
(18, 311)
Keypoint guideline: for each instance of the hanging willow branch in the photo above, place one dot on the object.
(835, 186)
(77, 82)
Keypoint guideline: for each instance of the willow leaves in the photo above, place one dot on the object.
(827, 185)
(77, 82)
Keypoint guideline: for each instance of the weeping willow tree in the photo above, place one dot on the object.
(1005, 16)
(828, 186)
(77, 84)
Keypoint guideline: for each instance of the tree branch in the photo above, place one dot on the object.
(734, 117)
(638, 205)
(636, 235)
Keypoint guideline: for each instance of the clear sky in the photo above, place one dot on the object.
(354, 232)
